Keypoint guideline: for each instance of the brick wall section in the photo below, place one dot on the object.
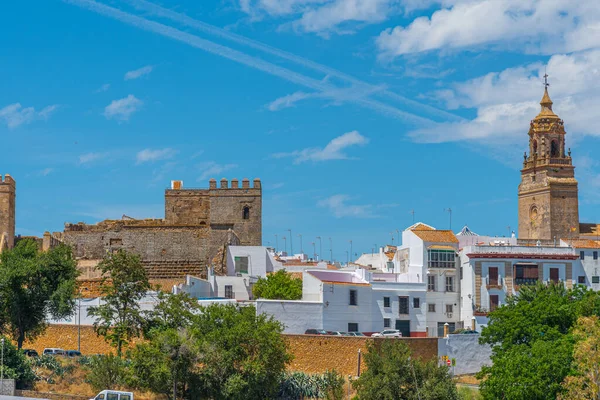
(312, 354)
(90, 288)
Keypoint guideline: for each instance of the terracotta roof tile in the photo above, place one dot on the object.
(419, 226)
(583, 243)
(436, 236)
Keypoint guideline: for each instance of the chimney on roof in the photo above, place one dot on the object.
(176, 185)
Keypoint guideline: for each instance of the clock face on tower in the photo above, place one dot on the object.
(533, 213)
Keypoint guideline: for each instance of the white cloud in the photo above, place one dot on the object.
(15, 115)
(537, 26)
(211, 169)
(337, 204)
(138, 73)
(123, 108)
(323, 16)
(506, 101)
(91, 157)
(333, 151)
(103, 88)
(149, 155)
(46, 171)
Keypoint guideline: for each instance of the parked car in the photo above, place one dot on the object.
(73, 353)
(355, 334)
(315, 332)
(53, 351)
(334, 333)
(113, 395)
(30, 353)
(388, 333)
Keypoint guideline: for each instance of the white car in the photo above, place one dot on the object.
(388, 333)
(113, 395)
(53, 351)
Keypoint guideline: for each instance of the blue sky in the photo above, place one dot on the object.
(352, 112)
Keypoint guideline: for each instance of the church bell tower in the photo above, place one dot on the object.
(548, 202)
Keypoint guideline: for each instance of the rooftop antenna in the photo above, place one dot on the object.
(413, 215)
(449, 212)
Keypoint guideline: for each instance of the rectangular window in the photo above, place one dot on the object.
(386, 302)
(526, 274)
(386, 322)
(390, 265)
(449, 308)
(116, 242)
(403, 304)
(554, 275)
(431, 307)
(441, 258)
(461, 273)
(353, 298)
(241, 265)
(493, 276)
(494, 302)
(581, 280)
(595, 279)
(416, 302)
(229, 292)
(431, 282)
(582, 255)
(352, 327)
(449, 284)
(112, 396)
(595, 254)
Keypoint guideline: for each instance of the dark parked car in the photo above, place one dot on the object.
(73, 353)
(30, 353)
(315, 332)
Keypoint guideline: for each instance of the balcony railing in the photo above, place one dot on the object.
(523, 250)
(494, 283)
(526, 281)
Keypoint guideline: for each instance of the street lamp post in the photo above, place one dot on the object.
(291, 243)
(284, 244)
(350, 248)
(301, 249)
(276, 243)
(398, 238)
(347, 259)
(314, 250)
(2, 370)
(330, 250)
(320, 248)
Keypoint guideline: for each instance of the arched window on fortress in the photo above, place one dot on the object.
(535, 147)
(246, 213)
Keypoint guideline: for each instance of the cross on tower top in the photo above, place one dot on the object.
(546, 84)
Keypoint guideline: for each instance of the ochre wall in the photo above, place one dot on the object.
(312, 354)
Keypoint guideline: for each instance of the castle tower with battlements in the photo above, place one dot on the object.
(7, 212)
(548, 194)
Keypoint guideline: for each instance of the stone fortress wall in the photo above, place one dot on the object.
(198, 224)
(7, 211)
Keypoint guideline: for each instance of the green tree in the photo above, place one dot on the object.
(124, 284)
(532, 348)
(278, 286)
(107, 372)
(168, 362)
(585, 383)
(243, 355)
(16, 366)
(391, 374)
(34, 286)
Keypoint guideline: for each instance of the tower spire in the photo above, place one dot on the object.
(546, 102)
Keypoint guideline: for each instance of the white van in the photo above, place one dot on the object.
(52, 351)
(113, 395)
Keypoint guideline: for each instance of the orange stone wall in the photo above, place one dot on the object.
(312, 354)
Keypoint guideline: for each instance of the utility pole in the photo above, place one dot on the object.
(301, 249)
(320, 248)
(291, 243)
(449, 212)
(350, 248)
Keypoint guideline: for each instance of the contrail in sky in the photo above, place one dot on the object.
(336, 93)
(216, 31)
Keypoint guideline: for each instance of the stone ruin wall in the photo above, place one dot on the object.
(198, 224)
